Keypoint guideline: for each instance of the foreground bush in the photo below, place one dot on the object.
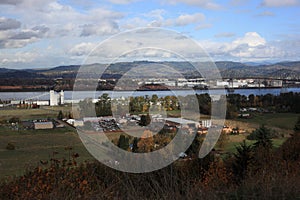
(185, 180)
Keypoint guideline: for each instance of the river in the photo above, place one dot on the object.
(116, 94)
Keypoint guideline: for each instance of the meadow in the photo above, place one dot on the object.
(34, 146)
(285, 121)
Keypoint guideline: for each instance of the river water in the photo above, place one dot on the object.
(116, 94)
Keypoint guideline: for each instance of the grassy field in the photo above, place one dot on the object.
(278, 120)
(35, 145)
(29, 114)
(236, 140)
(31, 148)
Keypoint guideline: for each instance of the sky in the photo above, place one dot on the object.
(49, 33)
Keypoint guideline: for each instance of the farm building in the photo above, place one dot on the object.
(206, 123)
(43, 125)
(75, 122)
(181, 122)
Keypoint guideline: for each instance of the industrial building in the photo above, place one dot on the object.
(56, 98)
(180, 122)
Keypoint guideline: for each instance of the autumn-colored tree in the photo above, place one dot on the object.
(146, 143)
(223, 140)
(217, 176)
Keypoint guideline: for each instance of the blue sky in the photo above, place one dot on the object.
(48, 33)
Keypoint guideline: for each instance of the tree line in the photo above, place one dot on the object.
(285, 102)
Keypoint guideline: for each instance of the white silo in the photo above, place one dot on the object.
(62, 97)
(53, 98)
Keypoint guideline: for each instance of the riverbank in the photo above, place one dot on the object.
(77, 95)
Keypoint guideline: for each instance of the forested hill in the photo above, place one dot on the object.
(227, 69)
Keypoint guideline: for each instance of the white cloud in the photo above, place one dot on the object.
(224, 34)
(19, 57)
(266, 14)
(10, 2)
(62, 20)
(250, 47)
(136, 22)
(186, 19)
(8, 44)
(203, 26)
(252, 39)
(101, 22)
(238, 2)
(122, 1)
(20, 38)
(280, 3)
(104, 28)
(140, 44)
(156, 14)
(8, 24)
(82, 49)
(101, 13)
(159, 21)
(200, 3)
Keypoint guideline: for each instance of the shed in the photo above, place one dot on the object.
(43, 125)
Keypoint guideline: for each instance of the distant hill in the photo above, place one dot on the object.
(227, 69)
(13, 73)
(277, 70)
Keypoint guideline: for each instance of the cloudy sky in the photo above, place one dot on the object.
(49, 33)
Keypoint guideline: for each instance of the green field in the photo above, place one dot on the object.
(31, 148)
(29, 114)
(236, 140)
(278, 120)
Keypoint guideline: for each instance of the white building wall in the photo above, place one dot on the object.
(62, 97)
(56, 98)
(222, 83)
(42, 103)
(53, 98)
(206, 123)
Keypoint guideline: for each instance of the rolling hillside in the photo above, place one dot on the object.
(227, 69)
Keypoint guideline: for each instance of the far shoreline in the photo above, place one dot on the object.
(150, 90)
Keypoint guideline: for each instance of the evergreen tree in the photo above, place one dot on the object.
(103, 106)
(60, 115)
(297, 126)
(145, 120)
(123, 142)
(135, 145)
(243, 159)
(291, 148)
(263, 137)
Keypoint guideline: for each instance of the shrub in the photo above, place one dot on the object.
(10, 146)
